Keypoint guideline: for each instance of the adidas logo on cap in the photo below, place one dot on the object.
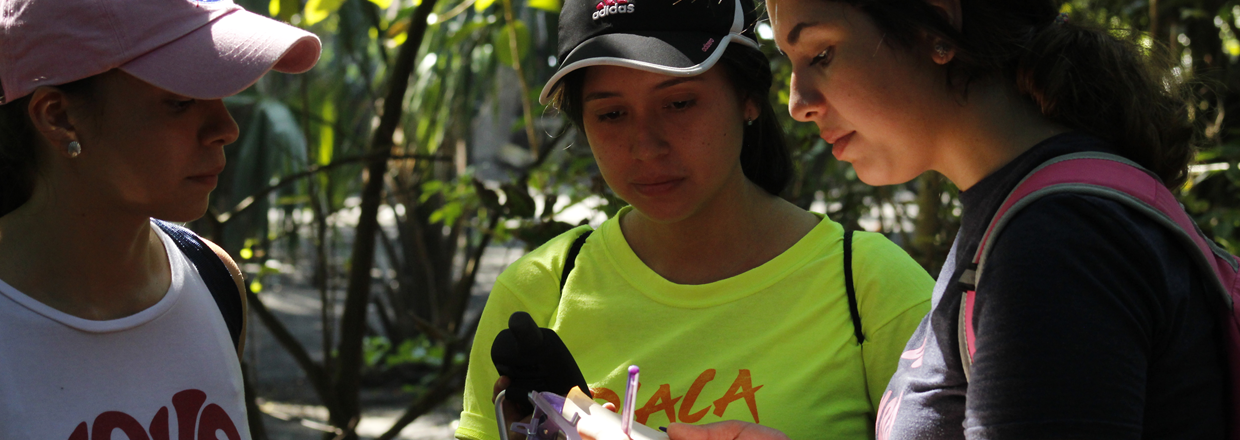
(612, 7)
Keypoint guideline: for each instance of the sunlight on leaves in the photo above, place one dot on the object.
(546, 5)
(318, 10)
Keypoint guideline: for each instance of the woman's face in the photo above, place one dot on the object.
(878, 105)
(150, 152)
(670, 146)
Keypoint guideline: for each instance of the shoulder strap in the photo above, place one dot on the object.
(570, 260)
(1096, 174)
(851, 289)
(214, 275)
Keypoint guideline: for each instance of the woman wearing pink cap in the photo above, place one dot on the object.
(112, 117)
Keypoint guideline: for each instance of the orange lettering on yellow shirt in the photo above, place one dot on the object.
(607, 396)
(661, 401)
(742, 387)
(691, 397)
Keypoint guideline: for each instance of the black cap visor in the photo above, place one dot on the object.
(668, 53)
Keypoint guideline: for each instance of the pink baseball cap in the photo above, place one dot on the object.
(203, 49)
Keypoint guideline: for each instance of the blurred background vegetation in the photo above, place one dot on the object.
(383, 176)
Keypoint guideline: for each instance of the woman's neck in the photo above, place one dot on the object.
(91, 265)
(994, 126)
(731, 235)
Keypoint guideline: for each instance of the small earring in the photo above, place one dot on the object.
(941, 49)
(749, 122)
(74, 149)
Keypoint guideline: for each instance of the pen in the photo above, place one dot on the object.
(630, 401)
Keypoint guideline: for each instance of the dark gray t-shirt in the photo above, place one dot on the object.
(1091, 323)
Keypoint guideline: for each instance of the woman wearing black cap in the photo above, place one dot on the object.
(731, 300)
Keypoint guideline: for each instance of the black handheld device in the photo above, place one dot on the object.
(534, 359)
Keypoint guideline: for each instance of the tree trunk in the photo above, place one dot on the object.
(347, 380)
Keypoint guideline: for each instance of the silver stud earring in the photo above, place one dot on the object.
(749, 122)
(940, 48)
(74, 148)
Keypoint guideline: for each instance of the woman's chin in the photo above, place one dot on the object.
(880, 177)
(661, 214)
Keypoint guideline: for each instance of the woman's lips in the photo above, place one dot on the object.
(205, 180)
(656, 187)
(841, 143)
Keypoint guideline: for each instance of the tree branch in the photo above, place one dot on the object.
(248, 202)
(294, 347)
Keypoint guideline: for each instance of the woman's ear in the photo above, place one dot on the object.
(49, 112)
(950, 10)
(752, 110)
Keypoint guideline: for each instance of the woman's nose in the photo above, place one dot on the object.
(220, 127)
(805, 103)
(649, 140)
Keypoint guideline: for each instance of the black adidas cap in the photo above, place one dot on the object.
(672, 37)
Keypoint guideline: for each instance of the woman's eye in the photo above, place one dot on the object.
(610, 116)
(179, 105)
(681, 105)
(823, 57)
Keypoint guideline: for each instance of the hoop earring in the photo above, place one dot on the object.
(74, 149)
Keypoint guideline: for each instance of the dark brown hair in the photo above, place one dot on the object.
(19, 146)
(764, 151)
(1082, 76)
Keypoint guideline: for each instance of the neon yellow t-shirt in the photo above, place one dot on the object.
(774, 345)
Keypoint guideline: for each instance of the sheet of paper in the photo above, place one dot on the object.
(596, 419)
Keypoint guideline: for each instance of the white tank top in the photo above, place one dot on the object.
(169, 372)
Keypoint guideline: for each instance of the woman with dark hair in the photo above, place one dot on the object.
(734, 302)
(1092, 319)
(111, 125)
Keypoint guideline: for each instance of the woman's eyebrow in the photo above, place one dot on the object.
(794, 34)
(598, 95)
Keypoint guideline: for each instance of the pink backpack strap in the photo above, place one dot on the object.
(1107, 176)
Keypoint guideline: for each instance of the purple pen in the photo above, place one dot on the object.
(630, 401)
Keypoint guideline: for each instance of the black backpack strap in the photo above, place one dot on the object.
(852, 290)
(570, 261)
(214, 274)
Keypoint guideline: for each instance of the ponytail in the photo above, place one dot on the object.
(1085, 78)
(1081, 76)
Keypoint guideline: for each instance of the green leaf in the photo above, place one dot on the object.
(464, 32)
(373, 349)
(503, 49)
(382, 4)
(519, 202)
(284, 10)
(546, 5)
(482, 5)
(318, 10)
